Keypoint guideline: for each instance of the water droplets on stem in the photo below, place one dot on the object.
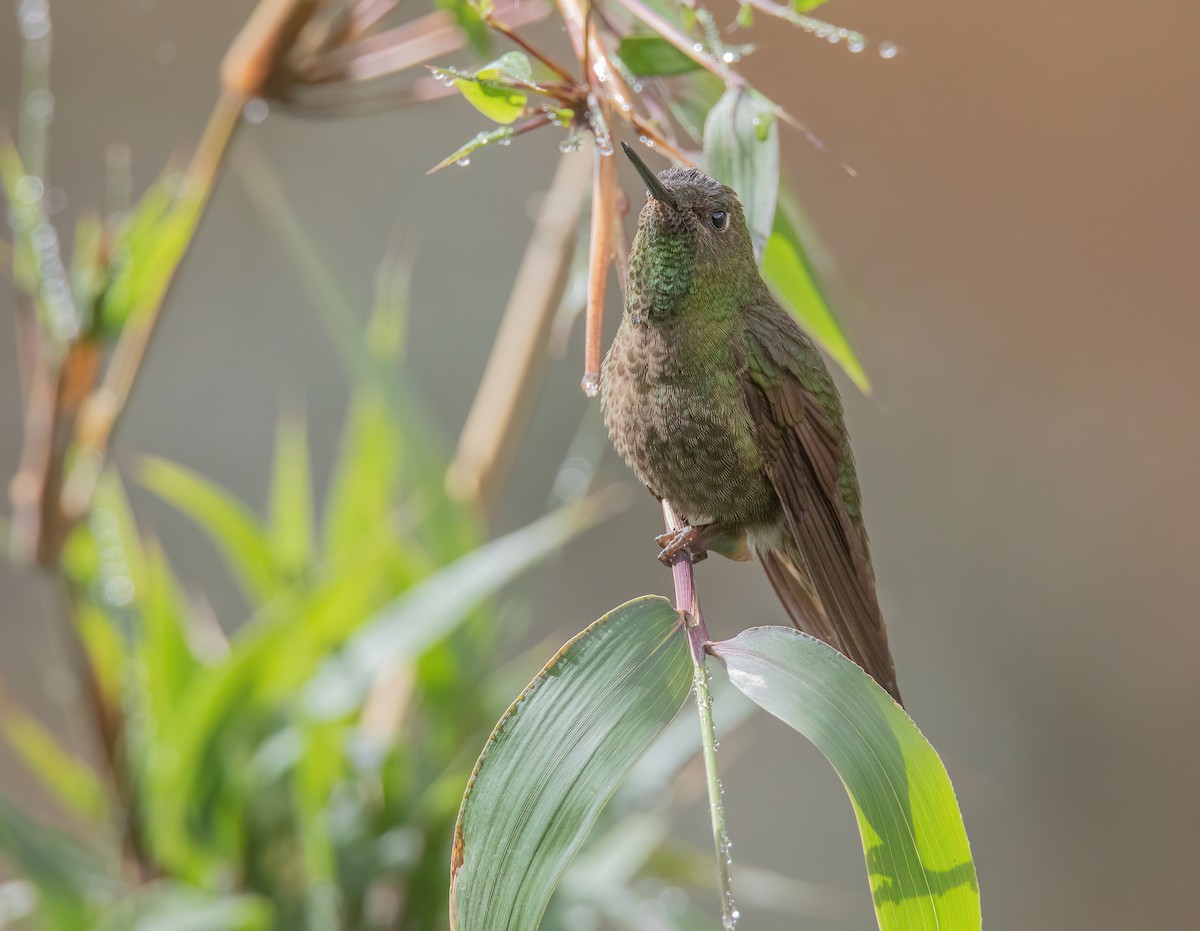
(591, 384)
(255, 111)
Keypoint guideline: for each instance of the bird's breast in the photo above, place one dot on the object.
(682, 426)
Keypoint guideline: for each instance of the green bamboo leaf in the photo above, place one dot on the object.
(498, 90)
(501, 134)
(787, 269)
(918, 858)
(238, 535)
(651, 55)
(741, 149)
(291, 530)
(557, 756)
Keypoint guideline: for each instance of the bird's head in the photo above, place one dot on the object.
(692, 235)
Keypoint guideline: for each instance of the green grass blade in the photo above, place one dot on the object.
(291, 523)
(557, 756)
(787, 269)
(918, 858)
(238, 535)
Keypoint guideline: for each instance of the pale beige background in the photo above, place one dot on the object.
(1022, 242)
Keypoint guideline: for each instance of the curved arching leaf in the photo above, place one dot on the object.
(918, 858)
(557, 756)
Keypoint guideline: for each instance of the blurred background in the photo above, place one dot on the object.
(1016, 246)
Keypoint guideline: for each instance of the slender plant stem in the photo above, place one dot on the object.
(499, 414)
(689, 604)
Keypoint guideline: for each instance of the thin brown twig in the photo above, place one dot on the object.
(511, 34)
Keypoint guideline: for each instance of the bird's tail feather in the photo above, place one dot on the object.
(799, 597)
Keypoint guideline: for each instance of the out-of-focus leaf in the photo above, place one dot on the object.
(319, 767)
(237, 534)
(367, 472)
(469, 16)
(269, 658)
(88, 271)
(501, 135)
(741, 149)
(651, 55)
(365, 476)
(166, 655)
(148, 251)
(786, 268)
(67, 876)
(803, 6)
(69, 778)
(498, 90)
(291, 526)
(419, 618)
(918, 858)
(448, 530)
(162, 905)
(557, 756)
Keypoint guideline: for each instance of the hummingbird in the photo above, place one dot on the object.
(722, 405)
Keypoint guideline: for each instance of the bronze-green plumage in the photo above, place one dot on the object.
(721, 404)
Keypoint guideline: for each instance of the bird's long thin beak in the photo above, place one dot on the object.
(657, 190)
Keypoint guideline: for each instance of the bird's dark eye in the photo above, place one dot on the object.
(720, 220)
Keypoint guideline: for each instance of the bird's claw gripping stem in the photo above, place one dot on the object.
(687, 538)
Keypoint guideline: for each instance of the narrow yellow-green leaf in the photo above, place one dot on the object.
(786, 268)
(291, 525)
(462, 154)
(557, 756)
(70, 779)
(918, 858)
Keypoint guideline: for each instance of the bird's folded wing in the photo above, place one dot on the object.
(793, 403)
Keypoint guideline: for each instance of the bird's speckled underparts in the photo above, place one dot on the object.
(722, 405)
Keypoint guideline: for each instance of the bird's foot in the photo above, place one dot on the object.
(689, 539)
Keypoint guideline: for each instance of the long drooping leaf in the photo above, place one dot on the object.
(787, 269)
(741, 149)
(557, 756)
(918, 858)
(430, 610)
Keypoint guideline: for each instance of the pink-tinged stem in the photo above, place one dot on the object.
(687, 602)
(685, 590)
